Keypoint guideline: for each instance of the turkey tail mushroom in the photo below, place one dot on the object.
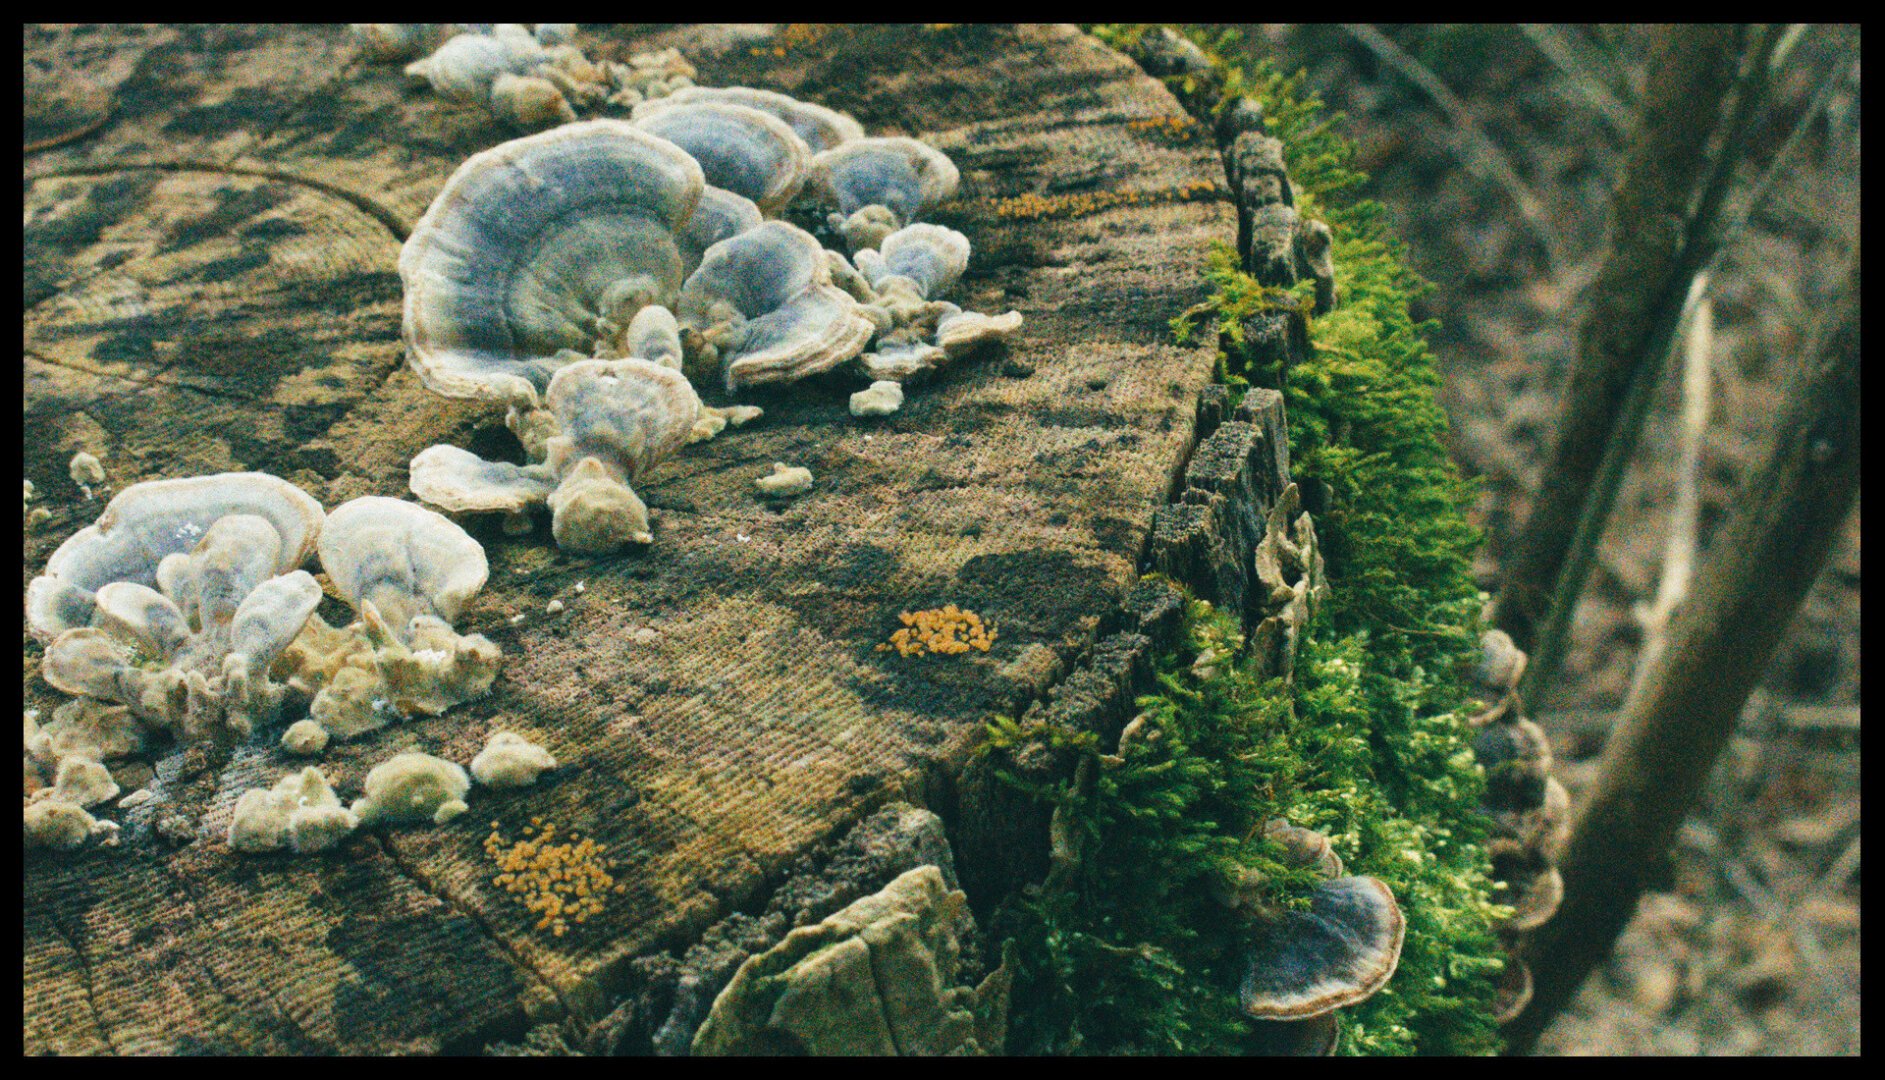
(764, 304)
(742, 150)
(533, 245)
(880, 185)
(821, 128)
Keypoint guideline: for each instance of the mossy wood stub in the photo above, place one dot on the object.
(210, 284)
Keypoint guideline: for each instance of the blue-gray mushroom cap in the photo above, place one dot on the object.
(821, 128)
(740, 149)
(1343, 949)
(766, 296)
(531, 243)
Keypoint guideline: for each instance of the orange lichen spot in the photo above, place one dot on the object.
(948, 630)
(1032, 207)
(1176, 128)
(794, 36)
(558, 881)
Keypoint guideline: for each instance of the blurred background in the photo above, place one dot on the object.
(1495, 149)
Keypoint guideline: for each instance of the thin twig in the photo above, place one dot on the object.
(1556, 46)
(1679, 551)
(1481, 154)
(1700, 235)
(1843, 868)
(1783, 160)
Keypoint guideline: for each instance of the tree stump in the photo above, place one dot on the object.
(213, 219)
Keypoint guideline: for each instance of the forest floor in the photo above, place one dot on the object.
(1752, 945)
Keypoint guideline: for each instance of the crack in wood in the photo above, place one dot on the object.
(85, 968)
(411, 873)
(385, 215)
(145, 380)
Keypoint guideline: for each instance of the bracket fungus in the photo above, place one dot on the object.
(191, 654)
(784, 482)
(616, 419)
(413, 789)
(305, 738)
(81, 781)
(763, 304)
(645, 245)
(1302, 965)
(1291, 584)
(86, 727)
(385, 42)
(880, 398)
(1339, 952)
(301, 813)
(881, 184)
(62, 826)
(1528, 808)
(900, 281)
(740, 149)
(408, 572)
(531, 79)
(465, 68)
(821, 128)
(533, 247)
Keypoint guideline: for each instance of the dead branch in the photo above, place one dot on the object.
(1756, 573)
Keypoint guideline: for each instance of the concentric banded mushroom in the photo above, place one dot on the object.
(1528, 808)
(720, 215)
(619, 418)
(465, 67)
(742, 150)
(400, 562)
(881, 184)
(535, 242)
(1526, 879)
(1515, 983)
(821, 128)
(764, 304)
(616, 418)
(1303, 965)
(149, 522)
(1339, 952)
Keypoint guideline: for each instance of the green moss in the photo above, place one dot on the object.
(1370, 746)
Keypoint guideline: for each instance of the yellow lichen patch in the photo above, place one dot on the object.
(794, 36)
(561, 883)
(1176, 128)
(947, 630)
(1031, 207)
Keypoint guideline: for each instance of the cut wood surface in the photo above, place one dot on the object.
(210, 285)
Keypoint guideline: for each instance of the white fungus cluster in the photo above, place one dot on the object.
(530, 79)
(183, 615)
(645, 258)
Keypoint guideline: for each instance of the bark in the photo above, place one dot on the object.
(1757, 571)
(1641, 283)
